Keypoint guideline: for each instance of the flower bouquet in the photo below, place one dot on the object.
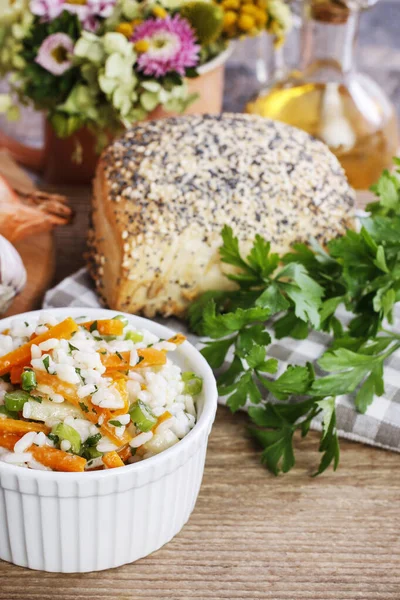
(101, 65)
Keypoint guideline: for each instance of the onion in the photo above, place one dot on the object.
(12, 274)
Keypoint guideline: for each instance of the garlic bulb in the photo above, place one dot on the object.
(12, 274)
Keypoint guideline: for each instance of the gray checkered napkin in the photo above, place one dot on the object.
(380, 426)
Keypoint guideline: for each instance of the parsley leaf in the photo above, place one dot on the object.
(360, 270)
(215, 352)
(220, 325)
(46, 363)
(241, 391)
(295, 380)
(329, 445)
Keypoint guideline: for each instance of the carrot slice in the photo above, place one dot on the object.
(15, 374)
(22, 356)
(124, 453)
(15, 426)
(150, 358)
(112, 460)
(105, 326)
(57, 459)
(47, 456)
(8, 440)
(120, 384)
(91, 412)
(177, 339)
(164, 417)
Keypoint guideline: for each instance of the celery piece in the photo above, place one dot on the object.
(66, 432)
(14, 401)
(142, 416)
(193, 383)
(135, 336)
(28, 380)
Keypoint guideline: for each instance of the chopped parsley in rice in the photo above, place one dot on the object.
(79, 395)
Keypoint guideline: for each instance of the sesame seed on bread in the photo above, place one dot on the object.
(164, 190)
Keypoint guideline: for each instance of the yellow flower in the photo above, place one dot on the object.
(126, 29)
(250, 17)
(261, 17)
(231, 4)
(249, 9)
(246, 22)
(230, 19)
(159, 11)
(142, 46)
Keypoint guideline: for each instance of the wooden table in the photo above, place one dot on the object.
(253, 535)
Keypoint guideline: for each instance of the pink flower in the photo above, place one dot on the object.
(47, 9)
(54, 53)
(90, 10)
(171, 46)
(87, 12)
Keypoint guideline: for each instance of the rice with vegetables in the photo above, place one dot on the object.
(80, 395)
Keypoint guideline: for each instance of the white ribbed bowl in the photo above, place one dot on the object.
(80, 522)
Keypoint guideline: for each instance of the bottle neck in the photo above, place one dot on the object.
(328, 41)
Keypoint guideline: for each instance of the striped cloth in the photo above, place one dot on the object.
(379, 426)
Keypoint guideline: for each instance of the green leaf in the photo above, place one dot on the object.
(260, 258)
(303, 291)
(273, 299)
(388, 190)
(292, 326)
(196, 309)
(275, 415)
(215, 352)
(269, 366)
(278, 448)
(255, 334)
(329, 307)
(337, 384)
(343, 359)
(230, 252)
(46, 362)
(384, 301)
(295, 380)
(329, 445)
(380, 260)
(372, 385)
(256, 356)
(231, 374)
(244, 389)
(219, 325)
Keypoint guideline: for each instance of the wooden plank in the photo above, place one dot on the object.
(255, 536)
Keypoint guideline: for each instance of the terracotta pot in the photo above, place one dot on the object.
(56, 160)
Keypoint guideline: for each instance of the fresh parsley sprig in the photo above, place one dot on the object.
(299, 291)
(261, 285)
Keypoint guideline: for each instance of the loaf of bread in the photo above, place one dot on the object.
(163, 192)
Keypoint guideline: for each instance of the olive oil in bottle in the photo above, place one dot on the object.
(329, 99)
